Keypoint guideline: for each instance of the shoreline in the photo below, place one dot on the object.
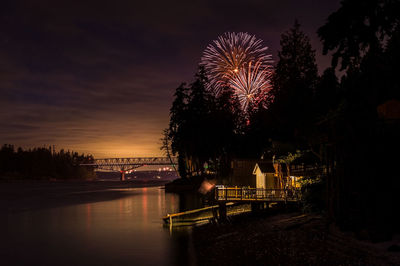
(286, 239)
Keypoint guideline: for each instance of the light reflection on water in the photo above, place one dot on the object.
(125, 231)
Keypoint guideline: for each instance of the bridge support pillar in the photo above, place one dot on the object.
(122, 175)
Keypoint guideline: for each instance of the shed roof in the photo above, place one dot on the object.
(266, 167)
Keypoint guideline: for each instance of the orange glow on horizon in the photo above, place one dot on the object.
(107, 150)
(140, 138)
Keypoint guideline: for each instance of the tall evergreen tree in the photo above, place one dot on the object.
(225, 121)
(199, 108)
(327, 94)
(177, 126)
(203, 127)
(294, 82)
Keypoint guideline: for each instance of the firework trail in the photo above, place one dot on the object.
(238, 61)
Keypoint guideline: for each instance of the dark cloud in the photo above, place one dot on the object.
(98, 76)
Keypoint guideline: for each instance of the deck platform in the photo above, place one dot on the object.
(237, 194)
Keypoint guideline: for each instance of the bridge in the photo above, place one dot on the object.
(123, 165)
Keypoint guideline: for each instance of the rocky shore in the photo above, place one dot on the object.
(287, 239)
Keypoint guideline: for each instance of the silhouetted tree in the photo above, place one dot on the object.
(357, 27)
(391, 67)
(226, 119)
(294, 82)
(361, 35)
(189, 131)
(327, 94)
(199, 109)
(177, 127)
(166, 146)
(203, 127)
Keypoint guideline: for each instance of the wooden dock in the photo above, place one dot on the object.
(203, 215)
(232, 201)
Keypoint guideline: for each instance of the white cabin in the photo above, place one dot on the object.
(266, 176)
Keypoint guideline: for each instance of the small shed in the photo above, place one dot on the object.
(266, 176)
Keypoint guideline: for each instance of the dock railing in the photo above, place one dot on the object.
(256, 194)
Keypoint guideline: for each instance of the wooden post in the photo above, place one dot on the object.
(215, 213)
(285, 192)
(170, 224)
(222, 211)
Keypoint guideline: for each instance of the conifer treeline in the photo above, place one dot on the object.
(202, 127)
(43, 163)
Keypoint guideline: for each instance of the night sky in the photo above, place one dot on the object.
(98, 76)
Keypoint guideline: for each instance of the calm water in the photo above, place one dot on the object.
(125, 231)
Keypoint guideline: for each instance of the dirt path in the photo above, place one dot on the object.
(286, 239)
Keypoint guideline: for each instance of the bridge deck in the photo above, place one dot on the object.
(236, 194)
(124, 164)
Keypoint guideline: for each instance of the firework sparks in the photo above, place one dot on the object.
(251, 84)
(238, 61)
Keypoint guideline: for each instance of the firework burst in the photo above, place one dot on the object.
(251, 84)
(238, 61)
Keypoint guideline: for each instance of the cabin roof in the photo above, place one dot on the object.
(265, 167)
